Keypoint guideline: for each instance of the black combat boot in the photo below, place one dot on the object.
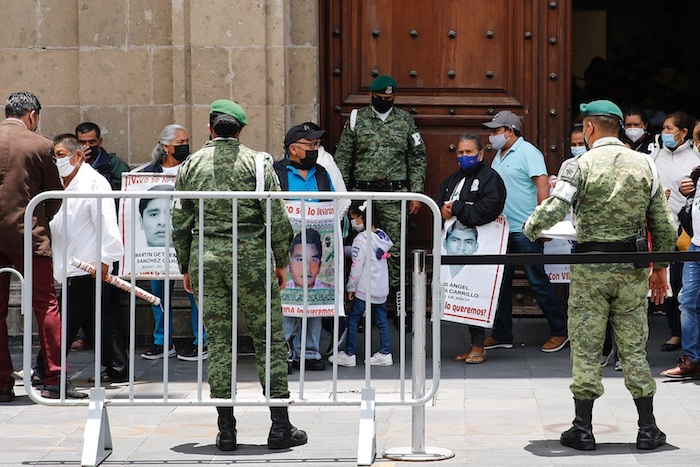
(283, 434)
(580, 435)
(649, 435)
(226, 439)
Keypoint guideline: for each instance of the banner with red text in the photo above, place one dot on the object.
(471, 291)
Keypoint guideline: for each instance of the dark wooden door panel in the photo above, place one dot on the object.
(457, 62)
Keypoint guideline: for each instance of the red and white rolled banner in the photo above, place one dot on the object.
(117, 282)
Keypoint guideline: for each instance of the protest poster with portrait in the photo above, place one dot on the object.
(558, 273)
(471, 291)
(147, 234)
(320, 250)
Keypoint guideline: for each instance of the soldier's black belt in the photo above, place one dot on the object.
(606, 247)
(383, 185)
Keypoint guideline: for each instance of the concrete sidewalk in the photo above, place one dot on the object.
(508, 411)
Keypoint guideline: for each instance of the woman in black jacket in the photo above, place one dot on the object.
(475, 194)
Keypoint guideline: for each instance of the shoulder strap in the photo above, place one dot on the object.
(261, 159)
(654, 176)
(353, 119)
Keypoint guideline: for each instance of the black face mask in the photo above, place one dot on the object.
(181, 152)
(381, 105)
(94, 151)
(306, 163)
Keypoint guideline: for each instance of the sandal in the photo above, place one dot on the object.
(475, 355)
(462, 356)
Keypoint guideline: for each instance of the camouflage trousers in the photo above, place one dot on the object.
(387, 216)
(217, 315)
(619, 294)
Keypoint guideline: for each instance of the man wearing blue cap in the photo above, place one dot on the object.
(381, 149)
(224, 164)
(613, 191)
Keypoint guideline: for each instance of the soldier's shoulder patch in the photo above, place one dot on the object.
(417, 140)
(569, 171)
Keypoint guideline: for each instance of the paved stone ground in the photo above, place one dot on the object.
(506, 412)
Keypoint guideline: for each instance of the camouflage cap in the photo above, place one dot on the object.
(384, 84)
(603, 108)
(225, 106)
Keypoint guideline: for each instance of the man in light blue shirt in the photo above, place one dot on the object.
(522, 168)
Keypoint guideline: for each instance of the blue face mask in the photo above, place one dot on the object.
(466, 162)
(577, 150)
(669, 140)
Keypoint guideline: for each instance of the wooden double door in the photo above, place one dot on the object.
(457, 63)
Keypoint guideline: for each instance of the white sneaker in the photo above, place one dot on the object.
(618, 365)
(380, 359)
(344, 359)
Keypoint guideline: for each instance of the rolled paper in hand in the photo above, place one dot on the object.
(117, 282)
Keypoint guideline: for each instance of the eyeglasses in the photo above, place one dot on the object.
(312, 145)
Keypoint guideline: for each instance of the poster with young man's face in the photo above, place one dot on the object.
(471, 291)
(146, 227)
(312, 260)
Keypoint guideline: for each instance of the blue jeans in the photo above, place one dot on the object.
(539, 283)
(378, 317)
(157, 287)
(689, 304)
(292, 326)
(673, 314)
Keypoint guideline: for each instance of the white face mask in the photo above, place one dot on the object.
(65, 168)
(498, 141)
(358, 226)
(696, 150)
(634, 134)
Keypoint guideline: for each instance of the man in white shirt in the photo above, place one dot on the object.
(74, 233)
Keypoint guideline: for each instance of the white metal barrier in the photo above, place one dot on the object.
(97, 438)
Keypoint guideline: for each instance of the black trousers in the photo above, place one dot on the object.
(81, 312)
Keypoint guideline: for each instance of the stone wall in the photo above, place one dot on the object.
(134, 66)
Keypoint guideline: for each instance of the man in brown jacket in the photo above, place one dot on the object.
(27, 169)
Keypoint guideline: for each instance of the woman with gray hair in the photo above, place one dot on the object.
(172, 149)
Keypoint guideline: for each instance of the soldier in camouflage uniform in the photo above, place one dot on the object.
(613, 190)
(380, 149)
(223, 164)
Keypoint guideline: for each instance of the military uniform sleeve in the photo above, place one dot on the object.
(554, 209)
(661, 226)
(490, 204)
(281, 229)
(345, 153)
(417, 158)
(183, 222)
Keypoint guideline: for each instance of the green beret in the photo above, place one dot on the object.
(225, 106)
(384, 84)
(601, 108)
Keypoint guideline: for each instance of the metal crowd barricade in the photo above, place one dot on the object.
(97, 438)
